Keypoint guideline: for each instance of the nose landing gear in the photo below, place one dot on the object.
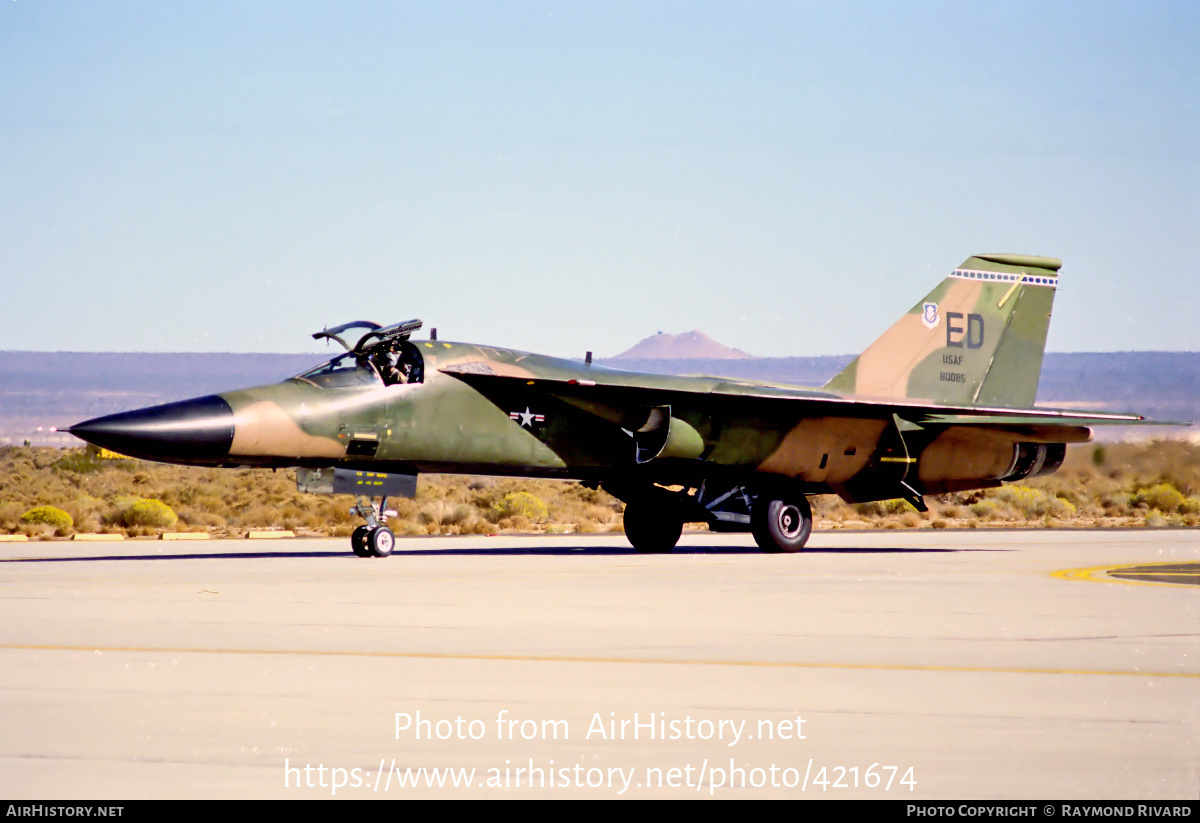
(373, 539)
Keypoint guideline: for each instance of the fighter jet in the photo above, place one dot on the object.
(942, 402)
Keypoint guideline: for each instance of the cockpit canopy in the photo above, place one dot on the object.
(367, 333)
(380, 355)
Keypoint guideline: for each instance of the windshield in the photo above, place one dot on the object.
(344, 371)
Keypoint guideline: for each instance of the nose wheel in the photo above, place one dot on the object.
(373, 539)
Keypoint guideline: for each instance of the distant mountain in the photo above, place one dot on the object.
(691, 345)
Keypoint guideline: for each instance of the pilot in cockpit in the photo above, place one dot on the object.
(398, 365)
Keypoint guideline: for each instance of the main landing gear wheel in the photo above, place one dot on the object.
(358, 541)
(781, 524)
(652, 529)
(381, 541)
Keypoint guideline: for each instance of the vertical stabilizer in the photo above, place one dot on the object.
(978, 338)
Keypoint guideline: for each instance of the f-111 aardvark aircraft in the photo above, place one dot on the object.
(942, 402)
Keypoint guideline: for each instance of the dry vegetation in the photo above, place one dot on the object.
(51, 492)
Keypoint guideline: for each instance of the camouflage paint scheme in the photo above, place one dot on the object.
(941, 402)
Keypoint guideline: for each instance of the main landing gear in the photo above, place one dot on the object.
(779, 518)
(373, 539)
(652, 526)
(781, 524)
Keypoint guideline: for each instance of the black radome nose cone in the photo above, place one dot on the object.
(191, 431)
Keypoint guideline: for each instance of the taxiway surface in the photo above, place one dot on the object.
(886, 664)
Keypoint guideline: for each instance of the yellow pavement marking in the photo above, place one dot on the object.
(1100, 574)
(548, 658)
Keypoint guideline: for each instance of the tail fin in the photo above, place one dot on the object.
(977, 338)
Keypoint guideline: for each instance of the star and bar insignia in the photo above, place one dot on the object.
(527, 418)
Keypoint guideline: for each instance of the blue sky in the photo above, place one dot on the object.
(558, 177)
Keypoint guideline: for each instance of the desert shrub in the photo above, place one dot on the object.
(600, 514)
(1162, 496)
(86, 511)
(1117, 503)
(444, 514)
(80, 462)
(883, 508)
(1033, 503)
(10, 512)
(1061, 507)
(1025, 500)
(406, 508)
(150, 514)
(460, 514)
(51, 516)
(256, 516)
(873, 509)
(983, 508)
(476, 526)
(521, 504)
(199, 519)
(577, 491)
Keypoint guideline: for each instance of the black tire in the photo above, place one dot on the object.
(381, 541)
(358, 541)
(781, 524)
(652, 529)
